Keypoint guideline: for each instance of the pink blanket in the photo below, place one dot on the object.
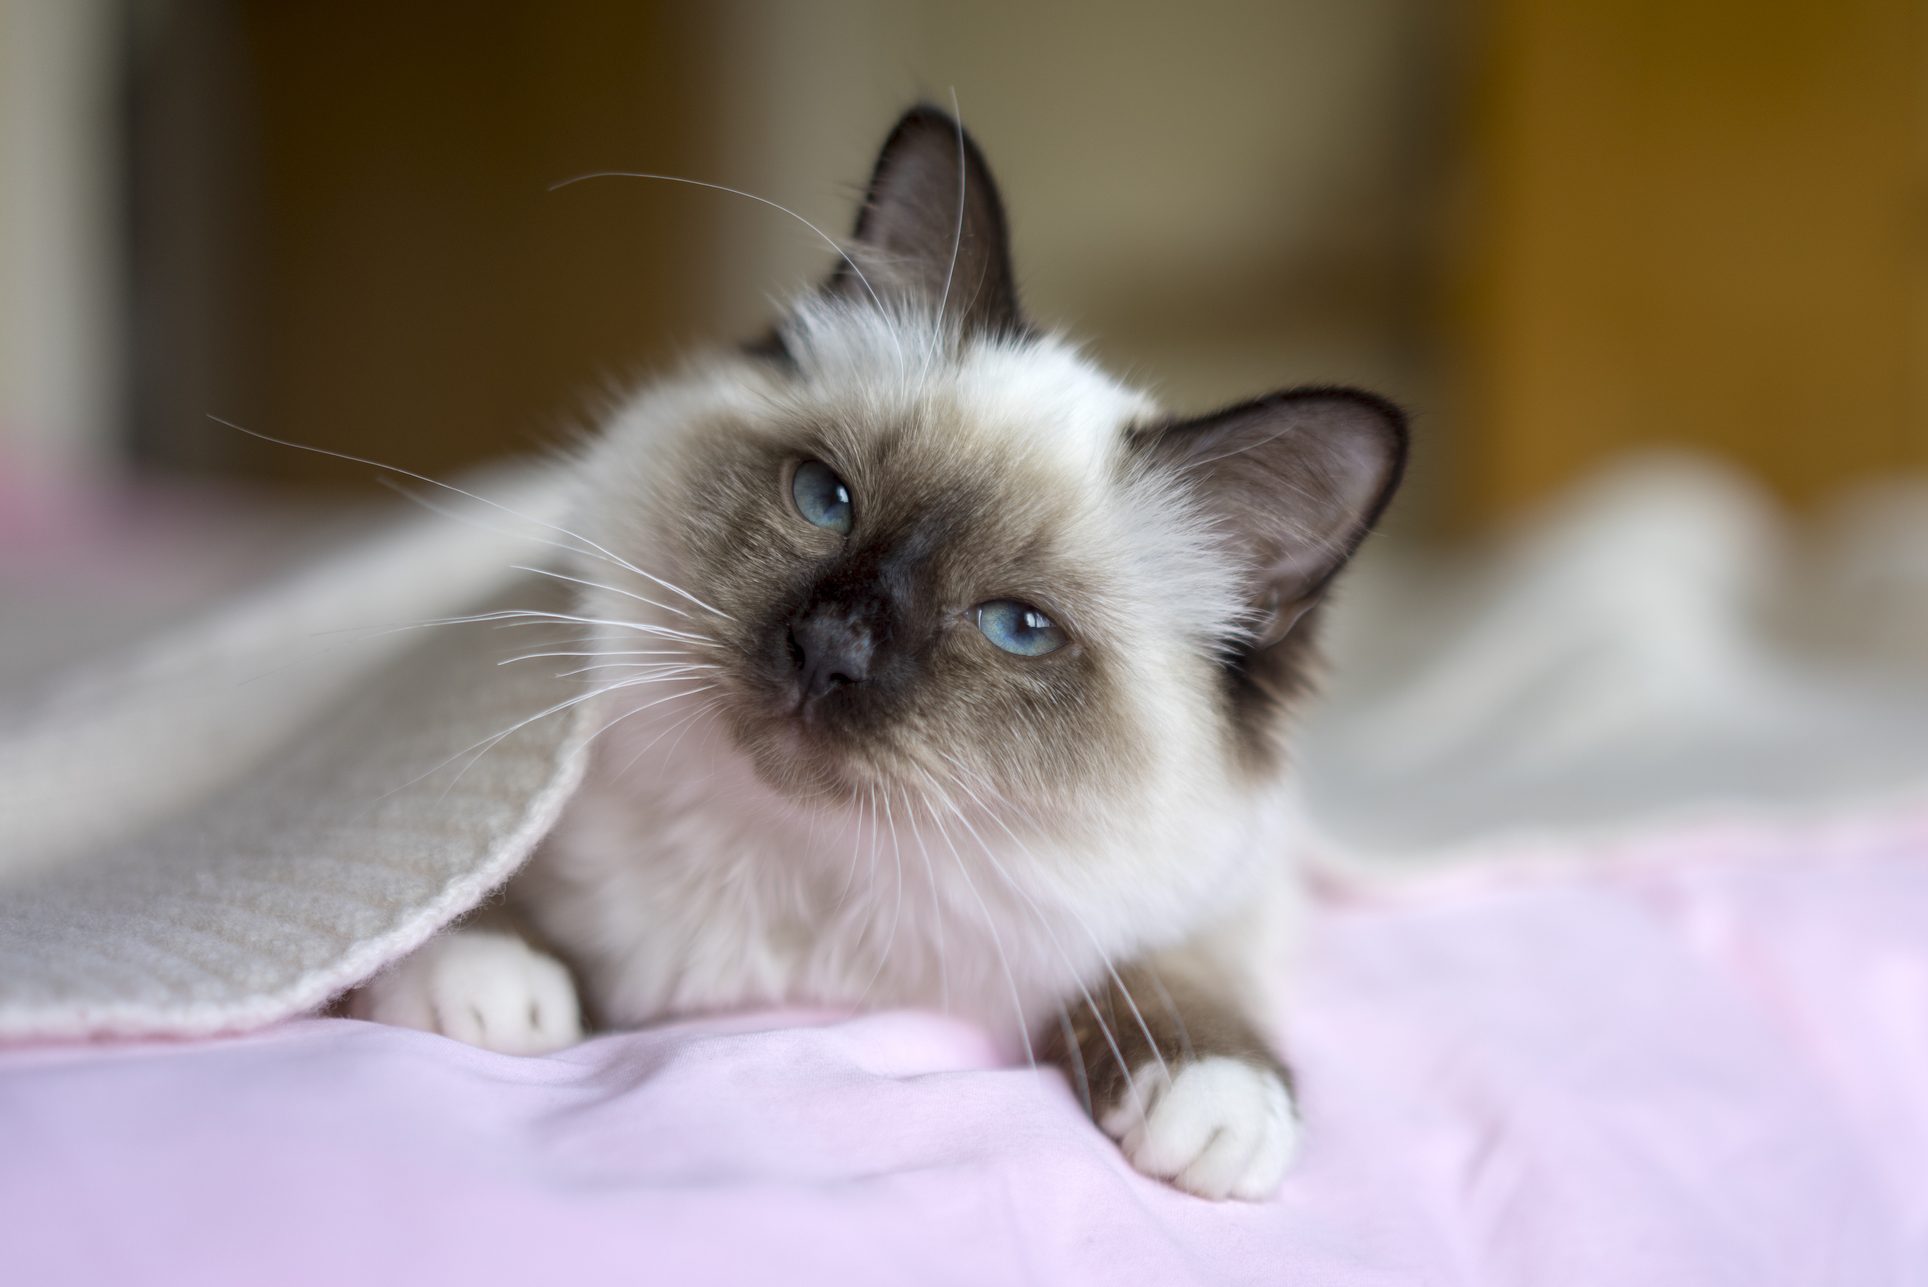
(1704, 1061)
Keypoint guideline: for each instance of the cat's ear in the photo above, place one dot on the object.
(1291, 484)
(931, 233)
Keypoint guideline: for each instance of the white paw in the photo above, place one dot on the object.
(484, 987)
(1220, 1128)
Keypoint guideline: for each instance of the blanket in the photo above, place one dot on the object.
(235, 821)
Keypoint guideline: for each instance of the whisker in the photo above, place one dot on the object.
(598, 585)
(876, 833)
(897, 909)
(1111, 969)
(984, 910)
(662, 634)
(937, 909)
(855, 847)
(638, 710)
(1072, 1045)
(622, 652)
(653, 667)
(1172, 1012)
(990, 923)
(683, 723)
(493, 739)
(450, 512)
(436, 482)
(957, 236)
(1044, 923)
(528, 616)
(524, 617)
(827, 239)
(640, 681)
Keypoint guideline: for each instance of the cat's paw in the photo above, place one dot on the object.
(483, 987)
(1218, 1127)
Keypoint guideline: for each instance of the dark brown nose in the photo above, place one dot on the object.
(831, 648)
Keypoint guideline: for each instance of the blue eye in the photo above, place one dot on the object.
(1019, 628)
(821, 497)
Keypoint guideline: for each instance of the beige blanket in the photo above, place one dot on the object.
(233, 823)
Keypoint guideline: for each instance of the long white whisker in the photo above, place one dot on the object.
(436, 482)
(709, 707)
(531, 616)
(856, 845)
(897, 857)
(1044, 922)
(1076, 1050)
(957, 236)
(491, 740)
(638, 710)
(1117, 981)
(598, 585)
(990, 923)
(683, 723)
(937, 908)
(450, 512)
(620, 652)
(526, 616)
(1172, 1012)
(613, 623)
(639, 681)
(652, 667)
(876, 836)
(827, 239)
(662, 634)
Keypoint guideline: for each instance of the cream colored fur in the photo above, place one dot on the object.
(680, 881)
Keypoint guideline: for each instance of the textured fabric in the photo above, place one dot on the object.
(230, 824)
(1703, 1063)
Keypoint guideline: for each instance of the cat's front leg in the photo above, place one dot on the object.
(480, 982)
(1173, 1070)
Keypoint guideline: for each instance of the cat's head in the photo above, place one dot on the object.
(946, 553)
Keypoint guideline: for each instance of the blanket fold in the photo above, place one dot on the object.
(232, 825)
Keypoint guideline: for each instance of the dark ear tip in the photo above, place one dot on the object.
(927, 113)
(924, 126)
(921, 118)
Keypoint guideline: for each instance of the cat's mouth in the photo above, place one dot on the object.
(800, 748)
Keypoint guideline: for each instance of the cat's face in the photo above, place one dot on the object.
(951, 556)
(960, 580)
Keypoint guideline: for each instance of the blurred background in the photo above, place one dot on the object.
(1566, 235)
(1557, 231)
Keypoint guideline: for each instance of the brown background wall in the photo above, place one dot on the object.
(1698, 224)
(1559, 232)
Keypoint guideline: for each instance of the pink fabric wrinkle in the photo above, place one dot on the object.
(1705, 1063)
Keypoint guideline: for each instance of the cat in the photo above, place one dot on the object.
(940, 668)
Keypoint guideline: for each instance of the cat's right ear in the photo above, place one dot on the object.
(931, 235)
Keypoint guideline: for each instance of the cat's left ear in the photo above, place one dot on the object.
(931, 234)
(1291, 484)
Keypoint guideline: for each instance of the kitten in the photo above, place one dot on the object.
(960, 671)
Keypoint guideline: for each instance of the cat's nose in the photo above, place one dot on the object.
(830, 649)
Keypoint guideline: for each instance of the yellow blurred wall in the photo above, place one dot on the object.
(1696, 223)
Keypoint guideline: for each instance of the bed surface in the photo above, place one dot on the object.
(1716, 1076)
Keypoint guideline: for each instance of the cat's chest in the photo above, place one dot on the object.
(670, 907)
